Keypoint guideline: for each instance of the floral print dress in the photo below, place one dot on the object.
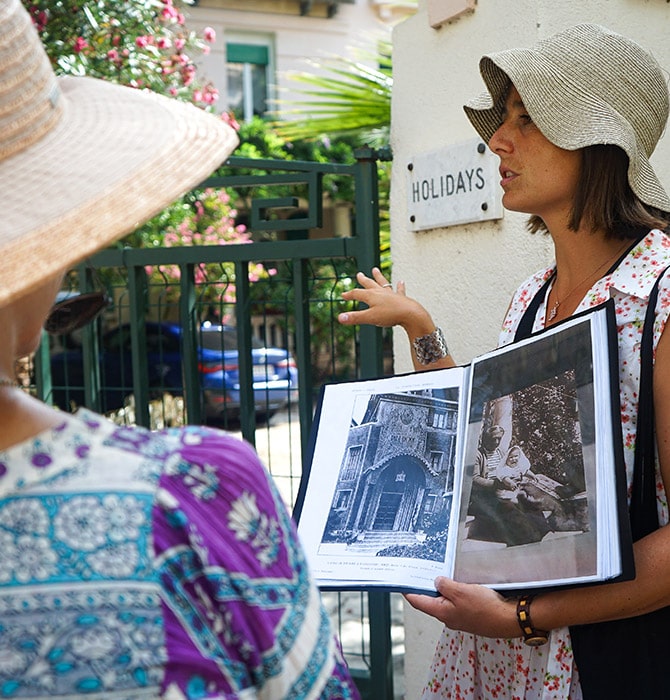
(467, 667)
(154, 565)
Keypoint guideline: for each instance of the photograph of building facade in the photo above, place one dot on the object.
(396, 479)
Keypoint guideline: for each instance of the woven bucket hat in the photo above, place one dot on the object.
(84, 161)
(584, 86)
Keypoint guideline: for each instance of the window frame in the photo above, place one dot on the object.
(251, 49)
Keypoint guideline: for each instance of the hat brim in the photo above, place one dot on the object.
(569, 117)
(117, 157)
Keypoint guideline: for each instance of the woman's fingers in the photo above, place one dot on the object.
(378, 277)
(376, 292)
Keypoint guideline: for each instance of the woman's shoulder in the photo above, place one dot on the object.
(205, 461)
(209, 461)
(534, 281)
(525, 292)
(203, 458)
(198, 443)
(521, 298)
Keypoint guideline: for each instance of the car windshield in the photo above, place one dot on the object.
(213, 338)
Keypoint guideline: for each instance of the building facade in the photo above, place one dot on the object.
(397, 474)
(259, 43)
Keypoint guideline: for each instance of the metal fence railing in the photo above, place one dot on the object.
(151, 359)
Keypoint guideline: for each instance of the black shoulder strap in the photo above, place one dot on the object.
(525, 327)
(643, 509)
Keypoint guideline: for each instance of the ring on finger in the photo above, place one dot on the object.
(388, 284)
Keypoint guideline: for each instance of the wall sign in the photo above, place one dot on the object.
(458, 184)
(441, 11)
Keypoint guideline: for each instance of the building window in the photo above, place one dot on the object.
(439, 419)
(247, 67)
(353, 461)
(429, 505)
(343, 499)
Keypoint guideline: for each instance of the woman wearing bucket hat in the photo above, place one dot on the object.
(574, 120)
(134, 564)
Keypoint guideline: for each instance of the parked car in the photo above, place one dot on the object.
(274, 373)
(275, 376)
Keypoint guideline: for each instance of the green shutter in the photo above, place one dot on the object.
(247, 53)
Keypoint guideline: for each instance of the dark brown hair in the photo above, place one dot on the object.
(604, 200)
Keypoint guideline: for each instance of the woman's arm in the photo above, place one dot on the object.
(388, 308)
(479, 610)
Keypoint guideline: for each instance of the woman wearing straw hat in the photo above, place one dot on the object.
(574, 120)
(134, 564)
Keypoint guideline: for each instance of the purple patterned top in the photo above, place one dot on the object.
(146, 565)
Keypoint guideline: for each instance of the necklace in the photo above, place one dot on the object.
(554, 309)
(8, 382)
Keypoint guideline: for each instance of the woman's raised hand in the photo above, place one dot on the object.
(386, 306)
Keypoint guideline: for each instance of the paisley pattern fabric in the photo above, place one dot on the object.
(466, 667)
(148, 565)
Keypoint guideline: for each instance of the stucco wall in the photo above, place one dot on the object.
(466, 274)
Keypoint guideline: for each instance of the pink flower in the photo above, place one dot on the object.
(209, 35)
(230, 120)
(113, 55)
(163, 42)
(80, 44)
(188, 74)
(169, 12)
(142, 41)
(210, 96)
(39, 18)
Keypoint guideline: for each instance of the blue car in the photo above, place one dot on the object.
(275, 376)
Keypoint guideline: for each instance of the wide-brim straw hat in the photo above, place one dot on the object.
(84, 161)
(584, 86)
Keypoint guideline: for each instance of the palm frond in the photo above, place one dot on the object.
(344, 96)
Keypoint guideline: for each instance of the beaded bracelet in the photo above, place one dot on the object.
(531, 636)
(430, 348)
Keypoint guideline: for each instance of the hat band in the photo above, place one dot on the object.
(29, 91)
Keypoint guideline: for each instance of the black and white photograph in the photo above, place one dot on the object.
(528, 481)
(395, 485)
(531, 463)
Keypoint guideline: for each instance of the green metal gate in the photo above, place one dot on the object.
(308, 276)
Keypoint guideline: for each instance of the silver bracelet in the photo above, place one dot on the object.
(430, 348)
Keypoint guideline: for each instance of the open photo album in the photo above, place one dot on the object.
(507, 472)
